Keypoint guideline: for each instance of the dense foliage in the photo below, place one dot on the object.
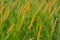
(29, 19)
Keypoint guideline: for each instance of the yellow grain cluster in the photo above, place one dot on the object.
(6, 14)
(10, 27)
(24, 14)
(40, 29)
(1, 6)
(39, 8)
(54, 25)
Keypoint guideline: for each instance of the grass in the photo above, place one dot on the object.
(29, 20)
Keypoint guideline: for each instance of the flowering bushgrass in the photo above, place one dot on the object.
(29, 20)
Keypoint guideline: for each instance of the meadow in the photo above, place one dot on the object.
(29, 19)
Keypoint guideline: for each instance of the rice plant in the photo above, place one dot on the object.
(29, 19)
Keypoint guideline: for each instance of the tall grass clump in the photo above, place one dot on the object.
(29, 19)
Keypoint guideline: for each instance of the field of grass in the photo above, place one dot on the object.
(29, 19)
